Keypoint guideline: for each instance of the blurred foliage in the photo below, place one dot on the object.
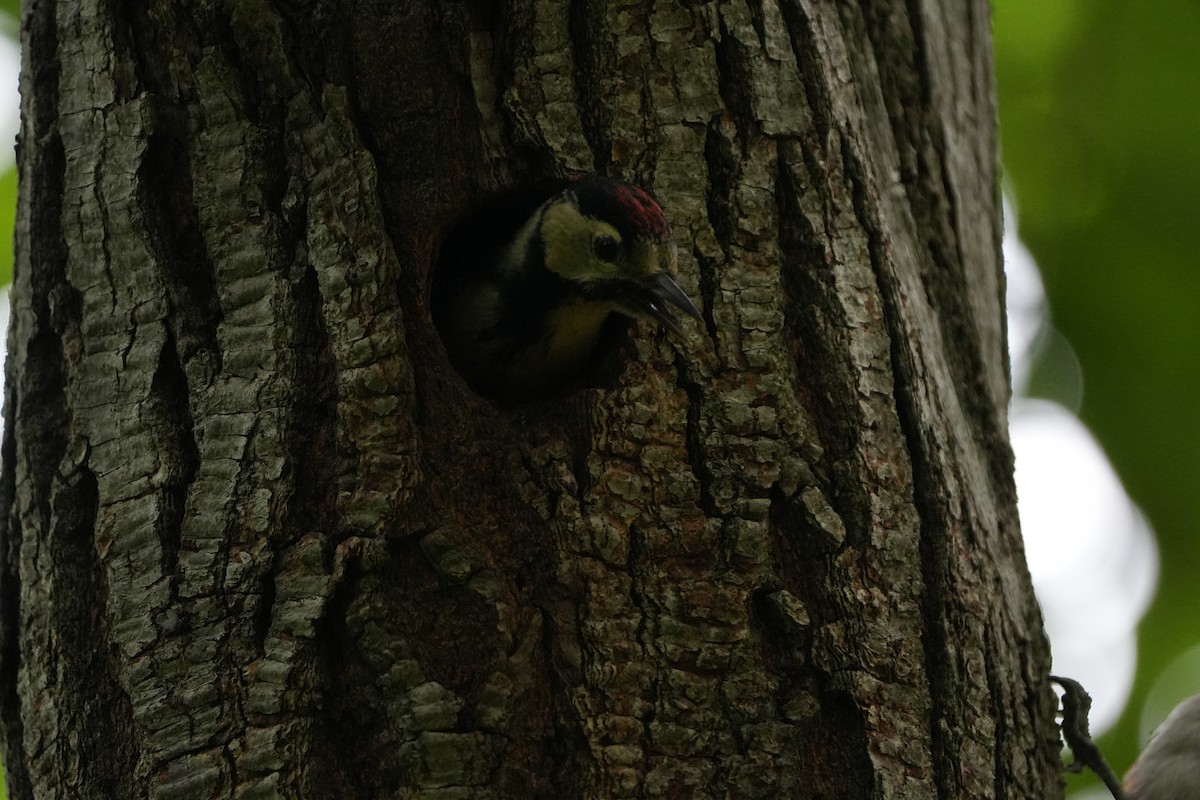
(8, 212)
(10, 12)
(1100, 119)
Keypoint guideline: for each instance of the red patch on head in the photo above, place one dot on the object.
(643, 212)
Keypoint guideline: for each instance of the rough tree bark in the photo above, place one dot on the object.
(260, 540)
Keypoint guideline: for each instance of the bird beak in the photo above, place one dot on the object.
(661, 293)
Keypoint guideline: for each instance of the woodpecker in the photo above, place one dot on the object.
(1169, 767)
(522, 316)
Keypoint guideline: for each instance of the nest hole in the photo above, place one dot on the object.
(472, 244)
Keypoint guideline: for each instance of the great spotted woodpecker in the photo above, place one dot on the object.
(525, 315)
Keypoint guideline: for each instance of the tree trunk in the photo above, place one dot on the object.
(260, 540)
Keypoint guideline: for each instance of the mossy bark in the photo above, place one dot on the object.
(260, 540)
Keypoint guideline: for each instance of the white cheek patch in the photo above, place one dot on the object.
(569, 238)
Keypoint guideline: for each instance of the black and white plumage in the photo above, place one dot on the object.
(522, 315)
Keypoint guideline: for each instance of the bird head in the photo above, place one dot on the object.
(523, 313)
(611, 241)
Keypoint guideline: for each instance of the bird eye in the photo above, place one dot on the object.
(606, 248)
